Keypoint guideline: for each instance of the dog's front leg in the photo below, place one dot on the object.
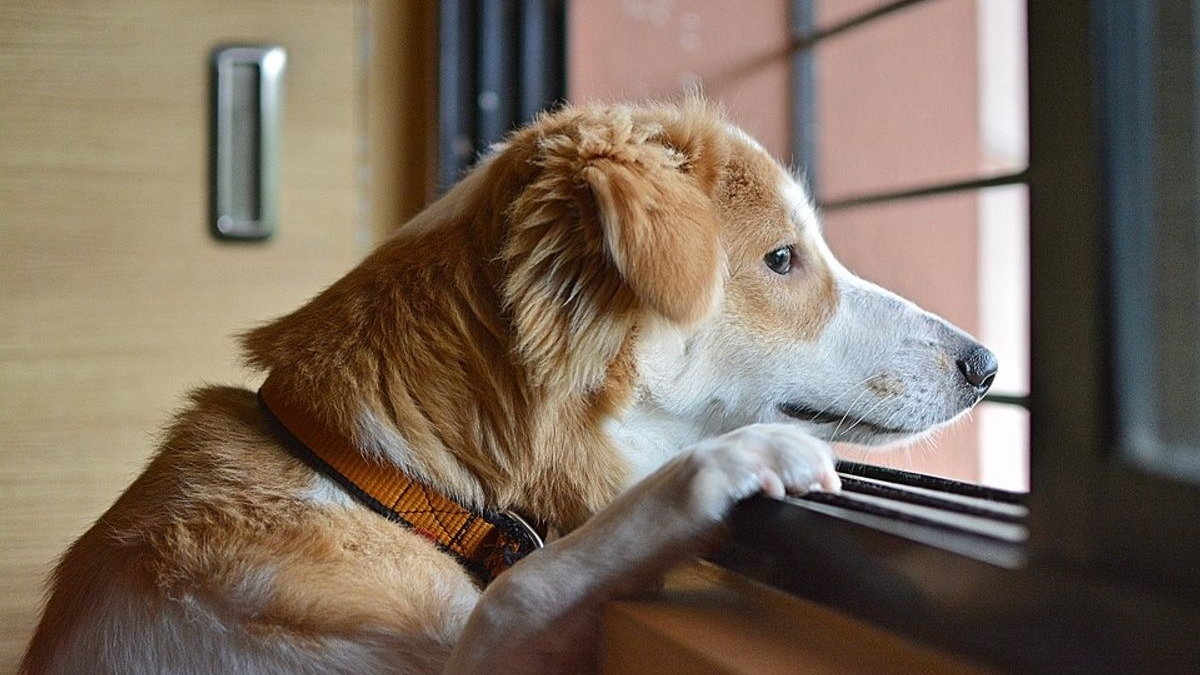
(542, 616)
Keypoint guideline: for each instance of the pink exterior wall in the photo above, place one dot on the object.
(897, 109)
(897, 104)
(655, 49)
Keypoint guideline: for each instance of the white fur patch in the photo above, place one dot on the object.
(325, 492)
(379, 441)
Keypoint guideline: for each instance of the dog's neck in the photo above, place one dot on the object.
(559, 471)
(649, 437)
(486, 542)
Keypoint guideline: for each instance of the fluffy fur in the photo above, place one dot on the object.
(593, 329)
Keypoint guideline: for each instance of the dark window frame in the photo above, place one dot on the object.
(500, 62)
(1104, 513)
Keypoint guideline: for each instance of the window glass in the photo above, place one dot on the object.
(963, 256)
(929, 94)
(1157, 243)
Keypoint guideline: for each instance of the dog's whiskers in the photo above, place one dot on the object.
(839, 397)
(870, 410)
(845, 415)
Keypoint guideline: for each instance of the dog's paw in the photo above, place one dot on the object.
(774, 459)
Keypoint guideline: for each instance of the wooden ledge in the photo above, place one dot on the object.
(708, 620)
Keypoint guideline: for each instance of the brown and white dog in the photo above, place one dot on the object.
(620, 324)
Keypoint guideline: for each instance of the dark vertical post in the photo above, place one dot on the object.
(804, 93)
(456, 89)
(543, 55)
(496, 100)
(501, 62)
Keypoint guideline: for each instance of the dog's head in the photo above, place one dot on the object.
(798, 336)
(644, 273)
(744, 314)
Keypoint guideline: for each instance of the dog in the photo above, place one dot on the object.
(620, 323)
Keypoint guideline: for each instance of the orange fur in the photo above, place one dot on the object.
(756, 222)
(219, 508)
(488, 342)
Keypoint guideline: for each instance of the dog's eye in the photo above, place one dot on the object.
(779, 260)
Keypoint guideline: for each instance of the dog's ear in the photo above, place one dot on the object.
(614, 220)
(650, 181)
(659, 229)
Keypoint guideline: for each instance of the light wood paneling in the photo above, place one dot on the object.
(114, 300)
(401, 105)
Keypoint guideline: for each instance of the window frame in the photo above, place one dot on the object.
(1107, 581)
(1094, 509)
(499, 64)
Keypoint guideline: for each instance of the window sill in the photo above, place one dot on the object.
(708, 620)
(989, 602)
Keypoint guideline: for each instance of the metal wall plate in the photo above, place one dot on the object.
(247, 96)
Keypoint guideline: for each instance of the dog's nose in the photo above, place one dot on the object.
(979, 367)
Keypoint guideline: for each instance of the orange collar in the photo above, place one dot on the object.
(486, 543)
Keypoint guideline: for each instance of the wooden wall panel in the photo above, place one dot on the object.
(114, 299)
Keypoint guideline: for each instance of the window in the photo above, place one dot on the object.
(1108, 580)
(916, 150)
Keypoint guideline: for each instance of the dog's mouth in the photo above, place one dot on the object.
(847, 427)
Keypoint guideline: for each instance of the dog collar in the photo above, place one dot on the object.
(485, 542)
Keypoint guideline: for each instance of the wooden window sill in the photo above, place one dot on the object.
(709, 620)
